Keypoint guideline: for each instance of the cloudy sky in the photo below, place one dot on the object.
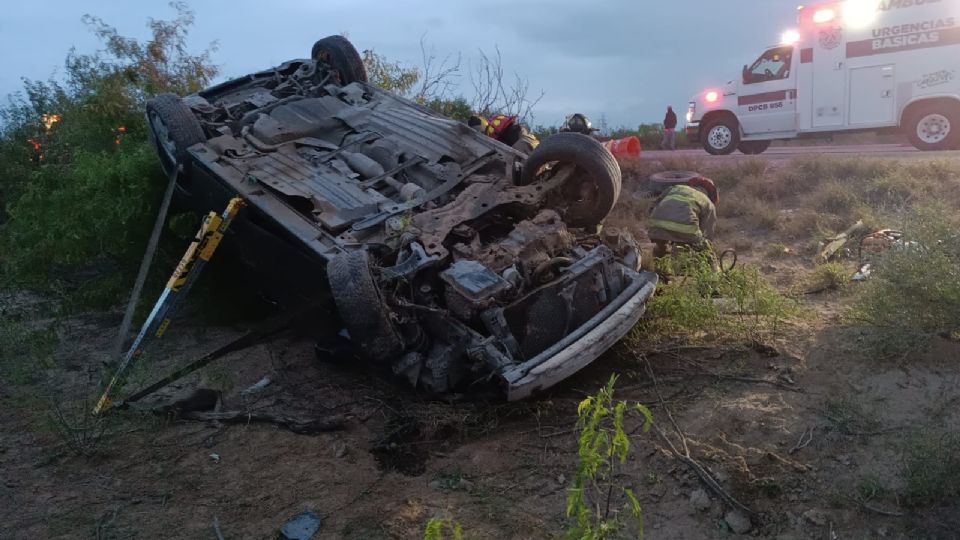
(625, 59)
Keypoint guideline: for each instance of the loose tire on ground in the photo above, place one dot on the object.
(934, 125)
(173, 129)
(751, 148)
(598, 172)
(661, 181)
(721, 136)
(362, 308)
(342, 56)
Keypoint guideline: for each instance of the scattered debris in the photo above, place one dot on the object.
(216, 528)
(833, 246)
(301, 526)
(215, 458)
(738, 522)
(258, 386)
(700, 501)
(816, 516)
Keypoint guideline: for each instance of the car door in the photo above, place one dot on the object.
(767, 100)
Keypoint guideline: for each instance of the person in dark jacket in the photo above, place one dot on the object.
(685, 215)
(669, 141)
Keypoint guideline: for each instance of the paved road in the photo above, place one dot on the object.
(786, 153)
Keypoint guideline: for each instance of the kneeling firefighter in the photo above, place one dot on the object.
(685, 215)
(506, 129)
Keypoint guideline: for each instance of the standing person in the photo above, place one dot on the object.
(685, 215)
(669, 141)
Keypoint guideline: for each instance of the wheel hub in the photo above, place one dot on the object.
(933, 128)
(720, 137)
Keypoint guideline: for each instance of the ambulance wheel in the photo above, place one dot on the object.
(753, 147)
(934, 125)
(592, 192)
(338, 53)
(721, 136)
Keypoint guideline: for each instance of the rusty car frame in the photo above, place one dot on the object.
(450, 259)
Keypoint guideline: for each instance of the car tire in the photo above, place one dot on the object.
(362, 308)
(342, 56)
(934, 125)
(595, 162)
(752, 148)
(661, 181)
(173, 129)
(721, 136)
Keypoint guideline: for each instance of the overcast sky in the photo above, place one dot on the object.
(626, 59)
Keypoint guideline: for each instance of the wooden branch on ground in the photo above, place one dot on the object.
(685, 456)
(306, 426)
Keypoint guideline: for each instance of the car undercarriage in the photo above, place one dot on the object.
(453, 261)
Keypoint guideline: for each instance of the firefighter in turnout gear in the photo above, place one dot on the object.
(506, 129)
(578, 123)
(685, 215)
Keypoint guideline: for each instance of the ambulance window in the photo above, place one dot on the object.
(772, 65)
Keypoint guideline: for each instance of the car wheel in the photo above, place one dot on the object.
(661, 181)
(934, 126)
(753, 147)
(342, 56)
(362, 308)
(721, 136)
(593, 191)
(173, 129)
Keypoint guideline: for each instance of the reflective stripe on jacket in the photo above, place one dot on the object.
(683, 214)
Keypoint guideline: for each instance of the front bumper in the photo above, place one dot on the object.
(584, 345)
(692, 131)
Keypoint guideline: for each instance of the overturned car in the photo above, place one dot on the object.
(451, 259)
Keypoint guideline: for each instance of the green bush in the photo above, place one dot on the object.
(81, 205)
(914, 293)
(931, 468)
(698, 300)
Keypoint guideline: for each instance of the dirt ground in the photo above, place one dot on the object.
(796, 429)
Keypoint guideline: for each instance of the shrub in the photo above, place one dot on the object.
(828, 277)
(931, 468)
(83, 203)
(914, 293)
(737, 304)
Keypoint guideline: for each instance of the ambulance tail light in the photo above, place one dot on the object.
(712, 96)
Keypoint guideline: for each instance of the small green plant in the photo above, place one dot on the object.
(828, 277)
(25, 352)
(931, 468)
(777, 250)
(437, 529)
(849, 417)
(603, 446)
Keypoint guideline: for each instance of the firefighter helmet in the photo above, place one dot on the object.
(578, 123)
(498, 124)
(707, 185)
(478, 123)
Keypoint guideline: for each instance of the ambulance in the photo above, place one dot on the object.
(854, 65)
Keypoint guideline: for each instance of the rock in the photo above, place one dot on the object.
(301, 526)
(739, 522)
(700, 501)
(340, 449)
(815, 516)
